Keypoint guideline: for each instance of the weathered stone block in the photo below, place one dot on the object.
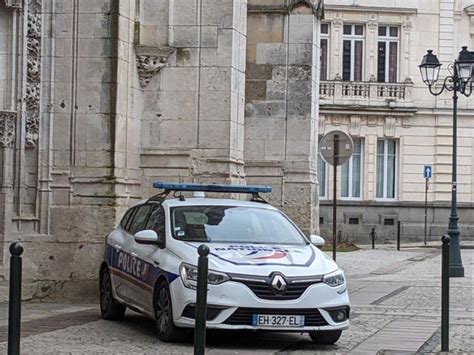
(300, 54)
(184, 36)
(259, 71)
(276, 90)
(267, 108)
(299, 72)
(265, 28)
(255, 90)
(182, 78)
(271, 53)
(215, 105)
(215, 78)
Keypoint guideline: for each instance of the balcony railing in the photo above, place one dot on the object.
(366, 93)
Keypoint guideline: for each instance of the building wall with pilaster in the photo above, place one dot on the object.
(419, 122)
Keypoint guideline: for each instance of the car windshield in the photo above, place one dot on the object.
(232, 224)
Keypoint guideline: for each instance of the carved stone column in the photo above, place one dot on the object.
(33, 73)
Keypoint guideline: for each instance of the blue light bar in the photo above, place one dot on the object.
(242, 189)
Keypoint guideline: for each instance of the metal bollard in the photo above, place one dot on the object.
(14, 304)
(445, 294)
(373, 236)
(398, 235)
(201, 302)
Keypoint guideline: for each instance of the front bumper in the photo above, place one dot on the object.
(235, 302)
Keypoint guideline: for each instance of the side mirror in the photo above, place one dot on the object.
(316, 240)
(146, 236)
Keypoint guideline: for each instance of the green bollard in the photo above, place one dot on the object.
(14, 305)
(445, 294)
(201, 302)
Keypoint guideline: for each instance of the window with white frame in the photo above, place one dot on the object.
(324, 65)
(386, 168)
(322, 177)
(387, 57)
(351, 173)
(352, 52)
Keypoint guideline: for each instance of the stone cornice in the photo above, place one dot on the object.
(366, 110)
(315, 5)
(365, 9)
(469, 10)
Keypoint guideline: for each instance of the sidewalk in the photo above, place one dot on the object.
(395, 297)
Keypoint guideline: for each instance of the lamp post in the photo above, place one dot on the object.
(460, 81)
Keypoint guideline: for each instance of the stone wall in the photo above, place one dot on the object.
(281, 113)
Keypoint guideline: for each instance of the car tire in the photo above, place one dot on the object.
(325, 336)
(110, 309)
(165, 328)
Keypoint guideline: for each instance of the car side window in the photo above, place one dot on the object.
(157, 220)
(133, 212)
(140, 218)
(126, 218)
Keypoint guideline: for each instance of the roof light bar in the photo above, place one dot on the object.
(243, 189)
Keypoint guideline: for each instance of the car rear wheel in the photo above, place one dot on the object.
(165, 328)
(325, 336)
(110, 309)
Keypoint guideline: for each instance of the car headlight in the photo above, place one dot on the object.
(334, 279)
(189, 274)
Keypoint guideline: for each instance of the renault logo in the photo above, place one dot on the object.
(279, 283)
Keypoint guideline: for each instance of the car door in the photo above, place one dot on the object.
(149, 258)
(116, 241)
(128, 264)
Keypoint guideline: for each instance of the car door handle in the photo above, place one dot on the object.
(133, 254)
(118, 247)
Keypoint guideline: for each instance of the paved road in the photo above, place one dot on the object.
(395, 300)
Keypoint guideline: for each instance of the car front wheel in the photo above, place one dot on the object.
(165, 328)
(109, 308)
(325, 336)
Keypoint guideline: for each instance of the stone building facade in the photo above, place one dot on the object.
(371, 89)
(99, 98)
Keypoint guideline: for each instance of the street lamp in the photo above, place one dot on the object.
(460, 80)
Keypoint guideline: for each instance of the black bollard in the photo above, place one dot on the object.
(398, 235)
(373, 235)
(201, 302)
(14, 303)
(445, 294)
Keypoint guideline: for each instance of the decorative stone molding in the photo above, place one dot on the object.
(389, 127)
(354, 127)
(315, 5)
(7, 128)
(16, 4)
(33, 73)
(150, 60)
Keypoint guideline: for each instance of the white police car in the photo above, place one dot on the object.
(263, 272)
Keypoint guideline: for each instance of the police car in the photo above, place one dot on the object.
(264, 273)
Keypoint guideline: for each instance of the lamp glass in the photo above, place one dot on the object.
(429, 74)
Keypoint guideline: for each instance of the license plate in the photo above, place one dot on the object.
(274, 320)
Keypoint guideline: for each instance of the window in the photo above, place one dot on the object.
(389, 222)
(352, 173)
(353, 52)
(140, 219)
(387, 61)
(324, 51)
(232, 224)
(156, 221)
(322, 177)
(386, 168)
(353, 220)
(126, 218)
